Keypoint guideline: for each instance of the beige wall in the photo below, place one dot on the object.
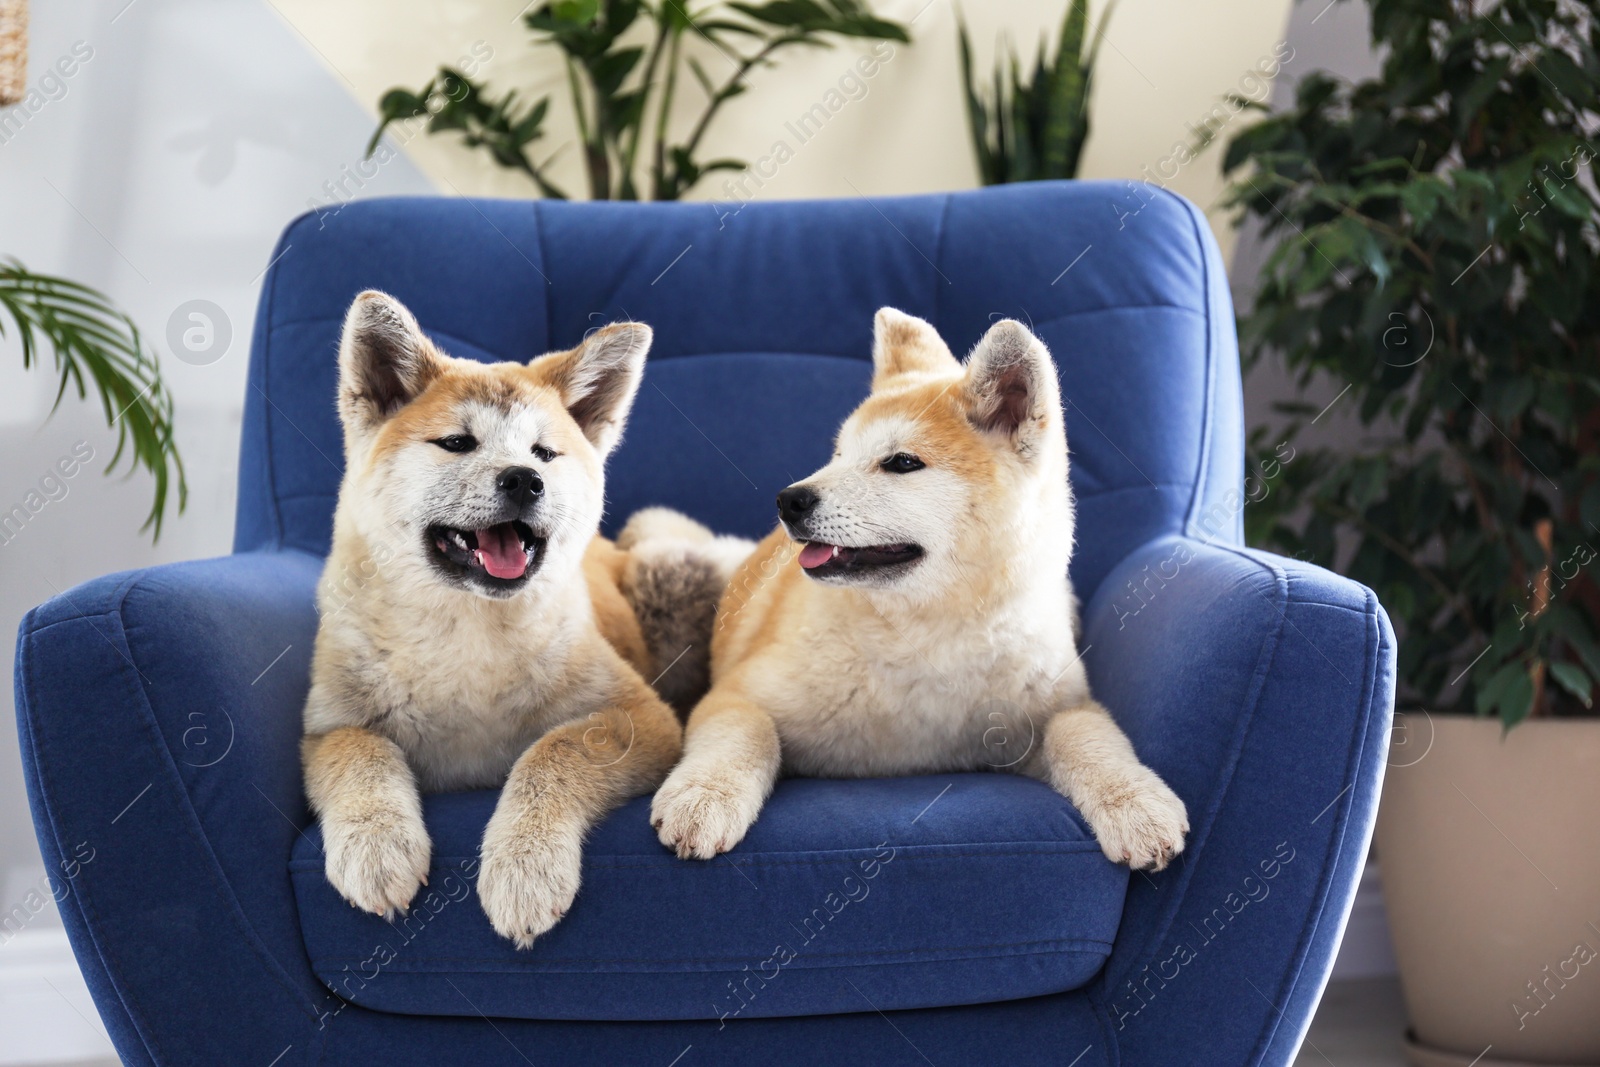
(1164, 65)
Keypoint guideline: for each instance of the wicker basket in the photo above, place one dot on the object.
(13, 51)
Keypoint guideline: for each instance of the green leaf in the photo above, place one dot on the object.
(1066, 101)
(846, 18)
(1508, 694)
(702, 77)
(1589, 505)
(89, 338)
(579, 12)
(1578, 87)
(1574, 680)
(609, 70)
(1469, 105)
(1421, 196)
(791, 13)
(1513, 396)
(1370, 480)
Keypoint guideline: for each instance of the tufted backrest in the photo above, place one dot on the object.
(763, 328)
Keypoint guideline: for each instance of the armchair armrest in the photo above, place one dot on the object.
(159, 713)
(1262, 689)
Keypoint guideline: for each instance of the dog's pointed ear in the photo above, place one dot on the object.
(1011, 387)
(385, 360)
(905, 344)
(598, 379)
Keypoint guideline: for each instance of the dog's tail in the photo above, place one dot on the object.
(675, 573)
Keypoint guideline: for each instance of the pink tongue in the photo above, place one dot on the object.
(501, 551)
(815, 555)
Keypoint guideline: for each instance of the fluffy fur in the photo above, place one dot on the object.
(940, 635)
(433, 673)
(675, 573)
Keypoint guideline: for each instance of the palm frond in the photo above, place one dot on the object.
(92, 343)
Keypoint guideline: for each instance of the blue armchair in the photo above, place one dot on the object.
(947, 920)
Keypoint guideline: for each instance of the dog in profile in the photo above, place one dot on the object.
(472, 633)
(912, 612)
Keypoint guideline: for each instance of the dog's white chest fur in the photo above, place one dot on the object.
(466, 715)
(465, 693)
(917, 695)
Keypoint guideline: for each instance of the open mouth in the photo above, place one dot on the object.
(500, 556)
(822, 560)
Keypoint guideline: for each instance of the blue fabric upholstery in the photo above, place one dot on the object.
(159, 710)
(886, 886)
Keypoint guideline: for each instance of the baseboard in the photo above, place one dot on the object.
(1366, 951)
(46, 1013)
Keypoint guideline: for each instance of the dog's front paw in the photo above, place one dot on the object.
(377, 863)
(699, 815)
(527, 885)
(1138, 820)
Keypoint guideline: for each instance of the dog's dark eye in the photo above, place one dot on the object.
(544, 454)
(457, 442)
(902, 463)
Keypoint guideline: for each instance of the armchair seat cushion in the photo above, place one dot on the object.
(846, 896)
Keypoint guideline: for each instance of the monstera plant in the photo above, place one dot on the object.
(1436, 262)
(93, 345)
(622, 84)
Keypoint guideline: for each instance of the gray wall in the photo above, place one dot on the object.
(161, 172)
(1325, 36)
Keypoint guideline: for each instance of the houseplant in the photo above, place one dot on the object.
(1437, 257)
(622, 82)
(1033, 128)
(94, 345)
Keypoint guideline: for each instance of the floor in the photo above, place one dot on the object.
(1358, 1025)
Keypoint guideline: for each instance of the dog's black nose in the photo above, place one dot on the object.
(520, 484)
(795, 501)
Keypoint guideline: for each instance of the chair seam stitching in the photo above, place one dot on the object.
(1264, 662)
(1314, 917)
(193, 824)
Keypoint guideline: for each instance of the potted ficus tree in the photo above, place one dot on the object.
(1436, 252)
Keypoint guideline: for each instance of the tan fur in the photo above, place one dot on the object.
(674, 573)
(423, 680)
(603, 566)
(965, 661)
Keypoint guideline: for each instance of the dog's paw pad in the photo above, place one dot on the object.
(700, 820)
(377, 865)
(1142, 823)
(527, 890)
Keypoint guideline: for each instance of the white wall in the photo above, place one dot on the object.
(1163, 67)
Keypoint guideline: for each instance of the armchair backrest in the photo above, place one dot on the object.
(763, 327)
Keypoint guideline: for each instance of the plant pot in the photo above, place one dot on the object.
(1489, 844)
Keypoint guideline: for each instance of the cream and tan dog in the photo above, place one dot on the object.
(472, 632)
(912, 613)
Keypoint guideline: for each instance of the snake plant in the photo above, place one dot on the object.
(1029, 129)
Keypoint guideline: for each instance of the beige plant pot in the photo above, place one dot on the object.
(1490, 850)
